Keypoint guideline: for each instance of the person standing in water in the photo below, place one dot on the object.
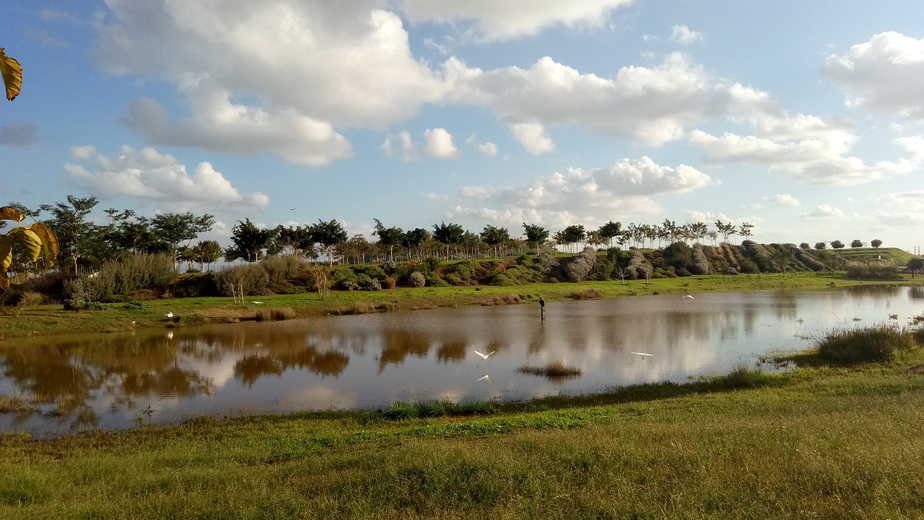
(541, 308)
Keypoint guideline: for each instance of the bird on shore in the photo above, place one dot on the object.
(169, 315)
(485, 377)
(690, 297)
(643, 354)
(485, 356)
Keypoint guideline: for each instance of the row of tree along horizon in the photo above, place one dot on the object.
(87, 244)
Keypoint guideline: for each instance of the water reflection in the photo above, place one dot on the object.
(371, 360)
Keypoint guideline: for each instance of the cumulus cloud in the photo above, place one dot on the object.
(439, 144)
(294, 68)
(400, 145)
(628, 187)
(149, 174)
(505, 19)
(684, 35)
(884, 74)
(805, 147)
(653, 105)
(18, 134)
(487, 148)
(824, 211)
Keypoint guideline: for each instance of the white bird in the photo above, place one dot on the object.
(257, 303)
(485, 356)
(690, 297)
(641, 354)
(170, 335)
(169, 315)
(485, 377)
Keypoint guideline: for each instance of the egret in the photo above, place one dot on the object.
(643, 354)
(169, 315)
(690, 297)
(485, 356)
(257, 303)
(485, 377)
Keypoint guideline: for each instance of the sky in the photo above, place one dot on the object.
(803, 118)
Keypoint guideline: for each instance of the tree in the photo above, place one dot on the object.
(448, 233)
(745, 229)
(329, 233)
(876, 243)
(609, 231)
(415, 238)
(571, 234)
(388, 237)
(11, 71)
(128, 232)
(69, 223)
(856, 243)
(248, 241)
(174, 228)
(726, 229)
(37, 242)
(494, 236)
(206, 252)
(915, 265)
(805, 245)
(535, 234)
(820, 245)
(837, 244)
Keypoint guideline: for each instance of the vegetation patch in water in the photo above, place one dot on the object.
(554, 370)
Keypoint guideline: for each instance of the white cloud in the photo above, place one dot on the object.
(533, 137)
(884, 74)
(805, 147)
(487, 148)
(295, 69)
(824, 211)
(505, 19)
(783, 199)
(149, 174)
(439, 144)
(684, 35)
(578, 195)
(653, 105)
(400, 145)
(901, 209)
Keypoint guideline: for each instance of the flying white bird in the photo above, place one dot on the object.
(641, 354)
(690, 297)
(485, 356)
(169, 315)
(485, 377)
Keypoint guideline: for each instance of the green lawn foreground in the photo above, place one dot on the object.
(118, 317)
(820, 442)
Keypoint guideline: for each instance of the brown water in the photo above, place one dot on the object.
(115, 380)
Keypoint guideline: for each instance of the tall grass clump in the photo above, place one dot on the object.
(858, 271)
(281, 268)
(123, 276)
(871, 344)
(252, 279)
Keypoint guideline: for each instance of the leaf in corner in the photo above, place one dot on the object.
(12, 75)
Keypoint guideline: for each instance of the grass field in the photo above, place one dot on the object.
(51, 319)
(863, 254)
(820, 442)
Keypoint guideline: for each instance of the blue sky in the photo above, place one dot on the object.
(802, 117)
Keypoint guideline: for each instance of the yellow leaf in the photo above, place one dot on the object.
(29, 239)
(50, 246)
(12, 75)
(11, 213)
(6, 254)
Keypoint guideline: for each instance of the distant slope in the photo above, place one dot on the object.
(862, 254)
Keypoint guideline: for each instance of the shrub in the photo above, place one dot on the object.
(281, 269)
(820, 245)
(252, 279)
(586, 294)
(123, 276)
(277, 314)
(873, 272)
(417, 279)
(804, 245)
(880, 343)
(193, 286)
(79, 296)
(431, 263)
(434, 280)
(345, 279)
(372, 271)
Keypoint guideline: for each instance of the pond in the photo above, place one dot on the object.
(114, 381)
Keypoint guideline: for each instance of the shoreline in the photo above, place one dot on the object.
(52, 320)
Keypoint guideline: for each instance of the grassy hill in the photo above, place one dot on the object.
(863, 254)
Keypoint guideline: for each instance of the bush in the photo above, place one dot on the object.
(80, 296)
(856, 243)
(193, 286)
(252, 278)
(434, 280)
(123, 276)
(431, 263)
(372, 271)
(873, 272)
(417, 279)
(804, 245)
(863, 345)
(345, 279)
(281, 269)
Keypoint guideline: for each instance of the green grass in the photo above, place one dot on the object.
(820, 442)
(51, 319)
(881, 343)
(860, 254)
